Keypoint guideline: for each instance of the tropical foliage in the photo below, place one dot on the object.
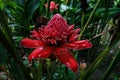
(56, 25)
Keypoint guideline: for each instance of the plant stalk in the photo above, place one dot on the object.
(89, 19)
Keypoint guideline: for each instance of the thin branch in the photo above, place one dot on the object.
(104, 32)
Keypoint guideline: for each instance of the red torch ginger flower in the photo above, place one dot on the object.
(56, 38)
(53, 6)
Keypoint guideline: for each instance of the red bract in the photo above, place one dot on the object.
(56, 38)
(53, 6)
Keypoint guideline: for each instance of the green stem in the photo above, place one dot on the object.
(41, 7)
(48, 8)
(95, 64)
(82, 19)
(111, 66)
(51, 70)
(82, 23)
(40, 70)
(89, 19)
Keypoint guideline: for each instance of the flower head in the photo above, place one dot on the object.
(56, 38)
(53, 6)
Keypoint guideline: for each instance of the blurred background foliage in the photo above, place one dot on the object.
(99, 21)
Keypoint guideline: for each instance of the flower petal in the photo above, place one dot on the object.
(83, 44)
(40, 53)
(31, 43)
(35, 34)
(76, 31)
(71, 29)
(66, 58)
(73, 38)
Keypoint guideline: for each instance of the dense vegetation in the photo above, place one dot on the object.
(98, 21)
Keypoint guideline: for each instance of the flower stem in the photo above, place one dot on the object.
(89, 19)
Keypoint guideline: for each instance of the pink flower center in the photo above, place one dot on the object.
(56, 30)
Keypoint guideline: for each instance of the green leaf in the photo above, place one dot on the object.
(63, 8)
(112, 65)
(111, 11)
(7, 41)
(12, 4)
(20, 2)
(32, 7)
(16, 71)
(1, 5)
(3, 54)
